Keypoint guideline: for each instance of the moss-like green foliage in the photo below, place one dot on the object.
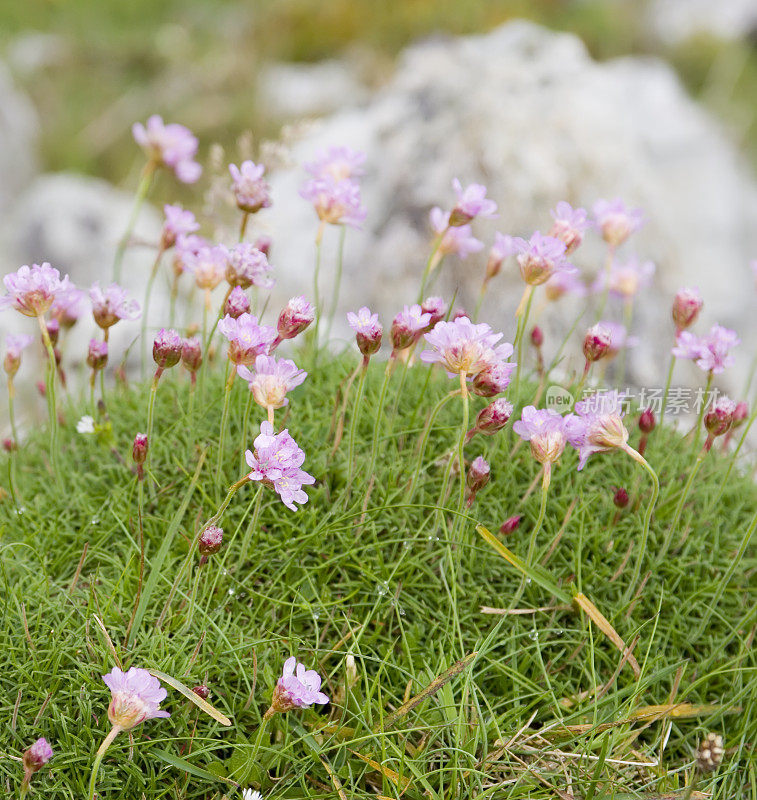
(384, 578)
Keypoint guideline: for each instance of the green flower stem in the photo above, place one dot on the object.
(379, 414)
(337, 425)
(336, 289)
(245, 428)
(353, 429)
(50, 392)
(252, 526)
(259, 737)
(107, 742)
(172, 304)
(224, 423)
(700, 417)
(667, 387)
(316, 279)
(151, 415)
(545, 481)
(146, 304)
(424, 440)
(647, 516)
(205, 342)
(524, 309)
(144, 187)
(461, 443)
(106, 334)
(627, 321)
(480, 301)
(140, 522)
(192, 393)
(195, 589)
(582, 382)
(434, 259)
(11, 411)
(243, 225)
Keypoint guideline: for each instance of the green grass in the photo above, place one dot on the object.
(398, 586)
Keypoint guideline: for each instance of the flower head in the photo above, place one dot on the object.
(297, 688)
(139, 448)
(619, 338)
(210, 540)
(296, 315)
(68, 306)
(544, 430)
(336, 202)
(456, 239)
(246, 265)
(14, 346)
(111, 304)
(511, 524)
(562, 283)
(597, 425)
(136, 697)
(177, 222)
(337, 163)
(191, 354)
(625, 280)
(408, 325)
(97, 354)
(276, 462)
(172, 146)
(711, 352)
(471, 202)
(250, 794)
(493, 379)
(597, 343)
(271, 380)
(237, 303)
(85, 425)
(251, 190)
(187, 246)
(719, 417)
(616, 221)
(208, 265)
(540, 258)
(36, 756)
(710, 752)
(166, 348)
(492, 418)
(462, 346)
(569, 225)
(478, 476)
(502, 248)
(436, 307)
(32, 290)
(686, 307)
(368, 330)
(247, 338)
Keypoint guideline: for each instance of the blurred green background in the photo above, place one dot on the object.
(94, 66)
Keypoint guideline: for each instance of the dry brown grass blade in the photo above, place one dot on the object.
(429, 691)
(599, 619)
(389, 774)
(108, 641)
(338, 788)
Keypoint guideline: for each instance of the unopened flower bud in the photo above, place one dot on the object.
(597, 343)
(263, 243)
(493, 380)
(37, 755)
(139, 448)
(620, 498)
(537, 336)
(719, 418)
(210, 540)
(510, 525)
(478, 476)
(710, 753)
(202, 691)
(494, 417)
(237, 303)
(53, 331)
(9, 445)
(436, 307)
(97, 354)
(686, 307)
(166, 349)
(740, 414)
(296, 315)
(191, 354)
(11, 363)
(351, 669)
(457, 313)
(647, 421)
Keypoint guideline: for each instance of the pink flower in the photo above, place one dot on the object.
(237, 303)
(544, 429)
(276, 462)
(494, 379)
(712, 352)
(186, 246)
(32, 290)
(271, 380)
(295, 317)
(619, 338)
(297, 688)
(625, 280)
(502, 248)
(336, 202)
(136, 697)
(569, 225)
(368, 330)
(97, 354)
(456, 240)
(491, 418)
(478, 476)
(338, 163)
(597, 425)
(246, 265)
(408, 325)
(208, 265)
(686, 307)
(111, 304)
(191, 354)
(178, 222)
(540, 258)
(471, 202)
(247, 338)
(250, 188)
(562, 283)
(616, 221)
(462, 347)
(166, 348)
(14, 346)
(719, 417)
(36, 756)
(172, 146)
(68, 306)
(597, 343)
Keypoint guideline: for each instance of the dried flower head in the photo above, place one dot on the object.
(710, 753)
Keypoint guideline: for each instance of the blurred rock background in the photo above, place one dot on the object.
(652, 100)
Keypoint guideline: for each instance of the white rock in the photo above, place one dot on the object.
(677, 20)
(18, 139)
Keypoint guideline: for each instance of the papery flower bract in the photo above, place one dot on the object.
(32, 290)
(540, 258)
(297, 688)
(276, 462)
(68, 306)
(338, 163)
(136, 697)
(271, 380)
(569, 225)
(597, 425)
(471, 202)
(246, 265)
(544, 430)
(457, 240)
(368, 330)
(336, 202)
(502, 248)
(178, 222)
(172, 146)
(251, 190)
(493, 379)
(247, 338)
(295, 317)
(686, 307)
(208, 265)
(14, 346)
(626, 279)
(166, 348)
(462, 346)
(112, 304)
(237, 303)
(616, 221)
(408, 325)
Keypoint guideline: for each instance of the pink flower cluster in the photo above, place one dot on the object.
(297, 687)
(172, 146)
(251, 189)
(247, 337)
(136, 697)
(333, 189)
(272, 380)
(711, 353)
(32, 290)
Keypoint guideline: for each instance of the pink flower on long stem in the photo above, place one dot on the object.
(562, 283)
(294, 318)
(237, 303)
(14, 346)
(597, 426)
(408, 326)
(686, 307)
(34, 758)
(464, 348)
(172, 146)
(246, 266)
(276, 461)
(544, 430)
(626, 279)
(251, 190)
(471, 203)
(68, 306)
(136, 697)
(502, 248)
(337, 202)
(455, 240)
(32, 290)
(297, 687)
(208, 265)
(711, 353)
(112, 304)
(616, 221)
(178, 222)
(247, 338)
(540, 258)
(368, 330)
(569, 225)
(271, 380)
(338, 163)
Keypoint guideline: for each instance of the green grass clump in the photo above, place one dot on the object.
(381, 594)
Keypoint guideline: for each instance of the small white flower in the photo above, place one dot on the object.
(249, 794)
(87, 425)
